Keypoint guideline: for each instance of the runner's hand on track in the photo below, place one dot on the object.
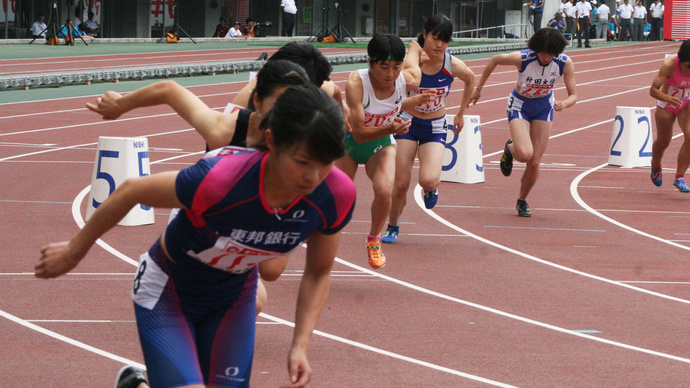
(107, 106)
(56, 259)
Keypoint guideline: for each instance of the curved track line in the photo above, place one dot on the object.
(420, 202)
(573, 191)
(70, 340)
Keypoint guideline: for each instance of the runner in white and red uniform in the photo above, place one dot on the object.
(374, 97)
(671, 88)
(195, 289)
(531, 104)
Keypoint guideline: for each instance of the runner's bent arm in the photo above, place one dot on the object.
(666, 70)
(313, 293)
(156, 190)
(464, 74)
(514, 59)
(354, 92)
(570, 86)
(411, 70)
(215, 127)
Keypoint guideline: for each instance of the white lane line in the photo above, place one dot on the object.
(420, 203)
(70, 341)
(391, 354)
(574, 192)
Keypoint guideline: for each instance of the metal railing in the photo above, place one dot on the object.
(508, 31)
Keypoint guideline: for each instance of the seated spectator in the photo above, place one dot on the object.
(38, 29)
(90, 26)
(221, 29)
(251, 29)
(556, 22)
(235, 31)
(76, 32)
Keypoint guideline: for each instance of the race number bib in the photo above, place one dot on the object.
(234, 257)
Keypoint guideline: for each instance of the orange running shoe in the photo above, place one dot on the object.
(377, 259)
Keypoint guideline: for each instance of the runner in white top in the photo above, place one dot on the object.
(531, 104)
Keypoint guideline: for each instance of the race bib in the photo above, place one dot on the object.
(234, 257)
(149, 283)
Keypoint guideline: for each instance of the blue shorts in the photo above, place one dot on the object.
(196, 323)
(425, 131)
(529, 109)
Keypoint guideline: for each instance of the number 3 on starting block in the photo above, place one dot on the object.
(463, 161)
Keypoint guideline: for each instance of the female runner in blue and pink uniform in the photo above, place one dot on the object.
(427, 111)
(532, 103)
(671, 88)
(195, 291)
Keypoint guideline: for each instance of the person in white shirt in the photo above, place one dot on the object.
(289, 10)
(235, 31)
(657, 11)
(603, 20)
(640, 19)
(583, 11)
(38, 29)
(626, 11)
(569, 10)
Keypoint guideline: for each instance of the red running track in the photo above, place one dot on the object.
(591, 291)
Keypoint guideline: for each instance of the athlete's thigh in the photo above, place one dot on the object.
(520, 133)
(431, 161)
(664, 123)
(381, 168)
(684, 121)
(540, 131)
(404, 159)
(347, 165)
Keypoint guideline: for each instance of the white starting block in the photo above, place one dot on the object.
(463, 160)
(117, 159)
(631, 141)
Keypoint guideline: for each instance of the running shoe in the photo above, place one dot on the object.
(507, 160)
(377, 260)
(523, 209)
(391, 235)
(679, 183)
(430, 198)
(130, 377)
(656, 177)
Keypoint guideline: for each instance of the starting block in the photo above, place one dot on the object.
(631, 141)
(463, 160)
(117, 159)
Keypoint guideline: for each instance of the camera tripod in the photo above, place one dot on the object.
(174, 27)
(340, 32)
(324, 29)
(53, 28)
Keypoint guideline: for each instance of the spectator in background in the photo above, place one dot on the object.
(583, 11)
(221, 29)
(235, 31)
(569, 10)
(76, 32)
(657, 11)
(537, 12)
(556, 22)
(251, 29)
(77, 17)
(38, 29)
(603, 13)
(640, 19)
(289, 9)
(91, 27)
(625, 12)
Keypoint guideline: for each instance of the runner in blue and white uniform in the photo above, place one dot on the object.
(195, 290)
(531, 104)
(426, 107)
(375, 96)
